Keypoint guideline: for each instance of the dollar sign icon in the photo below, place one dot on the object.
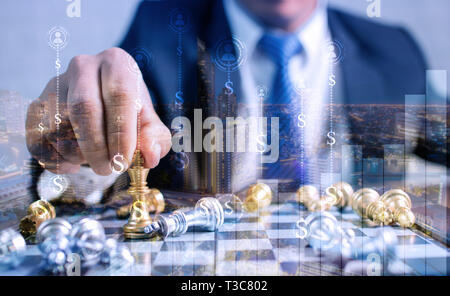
(229, 88)
(332, 80)
(137, 207)
(138, 104)
(179, 98)
(41, 127)
(118, 164)
(301, 120)
(60, 184)
(261, 140)
(331, 138)
(58, 119)
(302, 230)
(58, 64)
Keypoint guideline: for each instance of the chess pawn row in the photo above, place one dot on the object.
(208, 214)
(394, 206)
(155, 204)
(37, 212)
(12, 248)
(367, 204)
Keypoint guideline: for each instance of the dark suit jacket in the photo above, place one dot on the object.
(381, 65)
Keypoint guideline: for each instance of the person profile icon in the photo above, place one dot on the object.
(228, 55)
(179, 22)
(58, 40)
(331, 52)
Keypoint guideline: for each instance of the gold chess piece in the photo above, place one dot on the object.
(306, 194)
(139, 212)
(319, 205)
(341, 192)
(399, 203)
(37, 212)
(155, 203)
(258, 196)
(366, 203)
(310, 197)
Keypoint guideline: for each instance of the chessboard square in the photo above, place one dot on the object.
(282, 219)
(241, 227)
(358, 232)
(411, 240)
(281, 243)
(249, 255)
(283, 233)
(350, 216)
(244, 244)
(442, 265)
(205, 246)
(247, 268)
(113, 223)
(177, 246)
(143, 246)
(420, 251)
(146, 258)
(419, 266)
(193, 236)
(296, 254)
(188, 257)
(183, 270)
(248, 234)
(113, 230)
(280, 225)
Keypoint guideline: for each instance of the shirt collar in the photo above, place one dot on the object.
(249, 31)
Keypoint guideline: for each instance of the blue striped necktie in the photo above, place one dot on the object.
(283, 102)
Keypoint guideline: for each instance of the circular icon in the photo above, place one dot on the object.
(230, 54)
(140, 60)
(334, 51)
(118, 164)
(262, 91)
(57, 38)
(179, 20)
(58, 184)
(180, 161)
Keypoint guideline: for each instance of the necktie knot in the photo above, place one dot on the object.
(280, 48)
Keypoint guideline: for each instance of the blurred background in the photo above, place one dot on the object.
(27, 62)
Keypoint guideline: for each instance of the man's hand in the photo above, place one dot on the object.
(97, 103)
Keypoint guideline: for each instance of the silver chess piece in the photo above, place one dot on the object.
(116, 255)
(324, 234)
(12, 248)
(208, 214)
(54, 243)
(87, 239)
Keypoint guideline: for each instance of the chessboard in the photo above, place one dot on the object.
(247, 244)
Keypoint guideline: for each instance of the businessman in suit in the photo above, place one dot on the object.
(285, 42)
